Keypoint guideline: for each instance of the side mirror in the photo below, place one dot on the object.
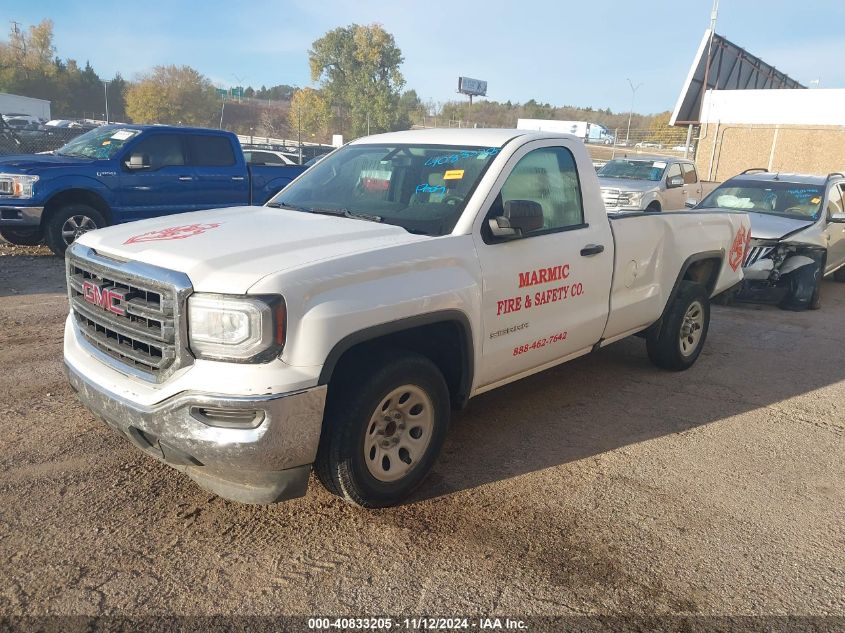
(525, 215)
(690, 204)
(501, 229)
(138, 161)
(838, 218)
(675, 181)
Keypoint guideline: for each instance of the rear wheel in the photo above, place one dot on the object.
(68, 223)
(385, 424)
(839, 275)
(22, 237)
(677, 344)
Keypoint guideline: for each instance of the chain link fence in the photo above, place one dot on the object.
(34, 141)
(48, 139)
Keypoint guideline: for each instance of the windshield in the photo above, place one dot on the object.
(633, 169)
(103, 142)
(788, 199)
(422, 188)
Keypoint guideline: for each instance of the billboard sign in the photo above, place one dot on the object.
(472, 87)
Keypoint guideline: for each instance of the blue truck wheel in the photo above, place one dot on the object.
(68, 223)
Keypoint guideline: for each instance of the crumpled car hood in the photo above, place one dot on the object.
(765, 226)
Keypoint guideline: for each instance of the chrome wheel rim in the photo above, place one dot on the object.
(75, 226)
(399, 433)
(691, 328)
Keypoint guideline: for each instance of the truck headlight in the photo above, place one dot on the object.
(630, 198)
(17, 185)
(239, 329)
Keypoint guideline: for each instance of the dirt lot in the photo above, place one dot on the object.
(602, 486)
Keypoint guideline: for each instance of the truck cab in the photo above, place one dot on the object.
(122, 173)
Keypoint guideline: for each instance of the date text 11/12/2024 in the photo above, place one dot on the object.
(417, 624)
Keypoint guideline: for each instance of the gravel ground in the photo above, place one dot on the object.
(603, 486)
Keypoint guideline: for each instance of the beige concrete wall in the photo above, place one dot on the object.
(726, 149)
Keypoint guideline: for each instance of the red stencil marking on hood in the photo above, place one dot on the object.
(172, 233)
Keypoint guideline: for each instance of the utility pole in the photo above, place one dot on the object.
(714, 13)
(631, 111)
(106, 95)
(299, 117)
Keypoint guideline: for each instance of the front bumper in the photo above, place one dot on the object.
(18, 216)
(268, 463)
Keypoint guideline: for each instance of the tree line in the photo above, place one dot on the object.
(361, 90)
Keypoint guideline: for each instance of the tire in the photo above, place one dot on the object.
(654, 206)
(22, 237)
(68, 223)
(805, 285)
(674, 345)
(839, 275)
(359, 447)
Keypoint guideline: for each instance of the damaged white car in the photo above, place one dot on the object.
(797, 234)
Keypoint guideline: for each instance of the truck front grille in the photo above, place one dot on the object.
(755, 254)
(130, 312)
(610, 197)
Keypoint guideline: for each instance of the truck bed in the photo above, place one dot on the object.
(650, 250)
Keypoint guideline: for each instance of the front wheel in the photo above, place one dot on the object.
(677, 344)
(68, 223)
(22, 237)
(385, 424)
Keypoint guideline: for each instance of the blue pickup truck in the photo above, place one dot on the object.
(120, 173)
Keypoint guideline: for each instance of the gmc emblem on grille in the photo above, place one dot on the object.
(106, 298)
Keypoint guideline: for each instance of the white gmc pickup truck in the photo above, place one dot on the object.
(338, 326)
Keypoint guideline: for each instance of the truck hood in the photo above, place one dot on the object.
(765, 226)
(34, 162)
(229, 250)
(626, 184)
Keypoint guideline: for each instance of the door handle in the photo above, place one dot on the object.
(237, 177)
(185, 178)
(592, 249)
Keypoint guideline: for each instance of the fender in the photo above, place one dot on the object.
(269, 189)
(393, 327)
(696, 257)
(64, 184)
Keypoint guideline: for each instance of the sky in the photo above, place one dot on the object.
(559, 52)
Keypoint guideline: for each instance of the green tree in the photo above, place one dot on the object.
(309, 112)
(358, 67)
(410, 111)
(172, 94)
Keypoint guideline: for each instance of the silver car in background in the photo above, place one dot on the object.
(797, 233)
(641, 183)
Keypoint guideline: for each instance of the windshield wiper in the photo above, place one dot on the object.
(342, 212)
(346, 213)
(285, 205)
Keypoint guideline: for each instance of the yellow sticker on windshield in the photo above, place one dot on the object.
(453, 174)
(815, 200)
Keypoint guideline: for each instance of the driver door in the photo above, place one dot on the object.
(545, 293)
(673, 198)
(835, 231)
(165, 185)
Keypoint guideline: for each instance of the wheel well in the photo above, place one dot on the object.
(654, 204)
(445, 343)
(76, 196)
(704, 272)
